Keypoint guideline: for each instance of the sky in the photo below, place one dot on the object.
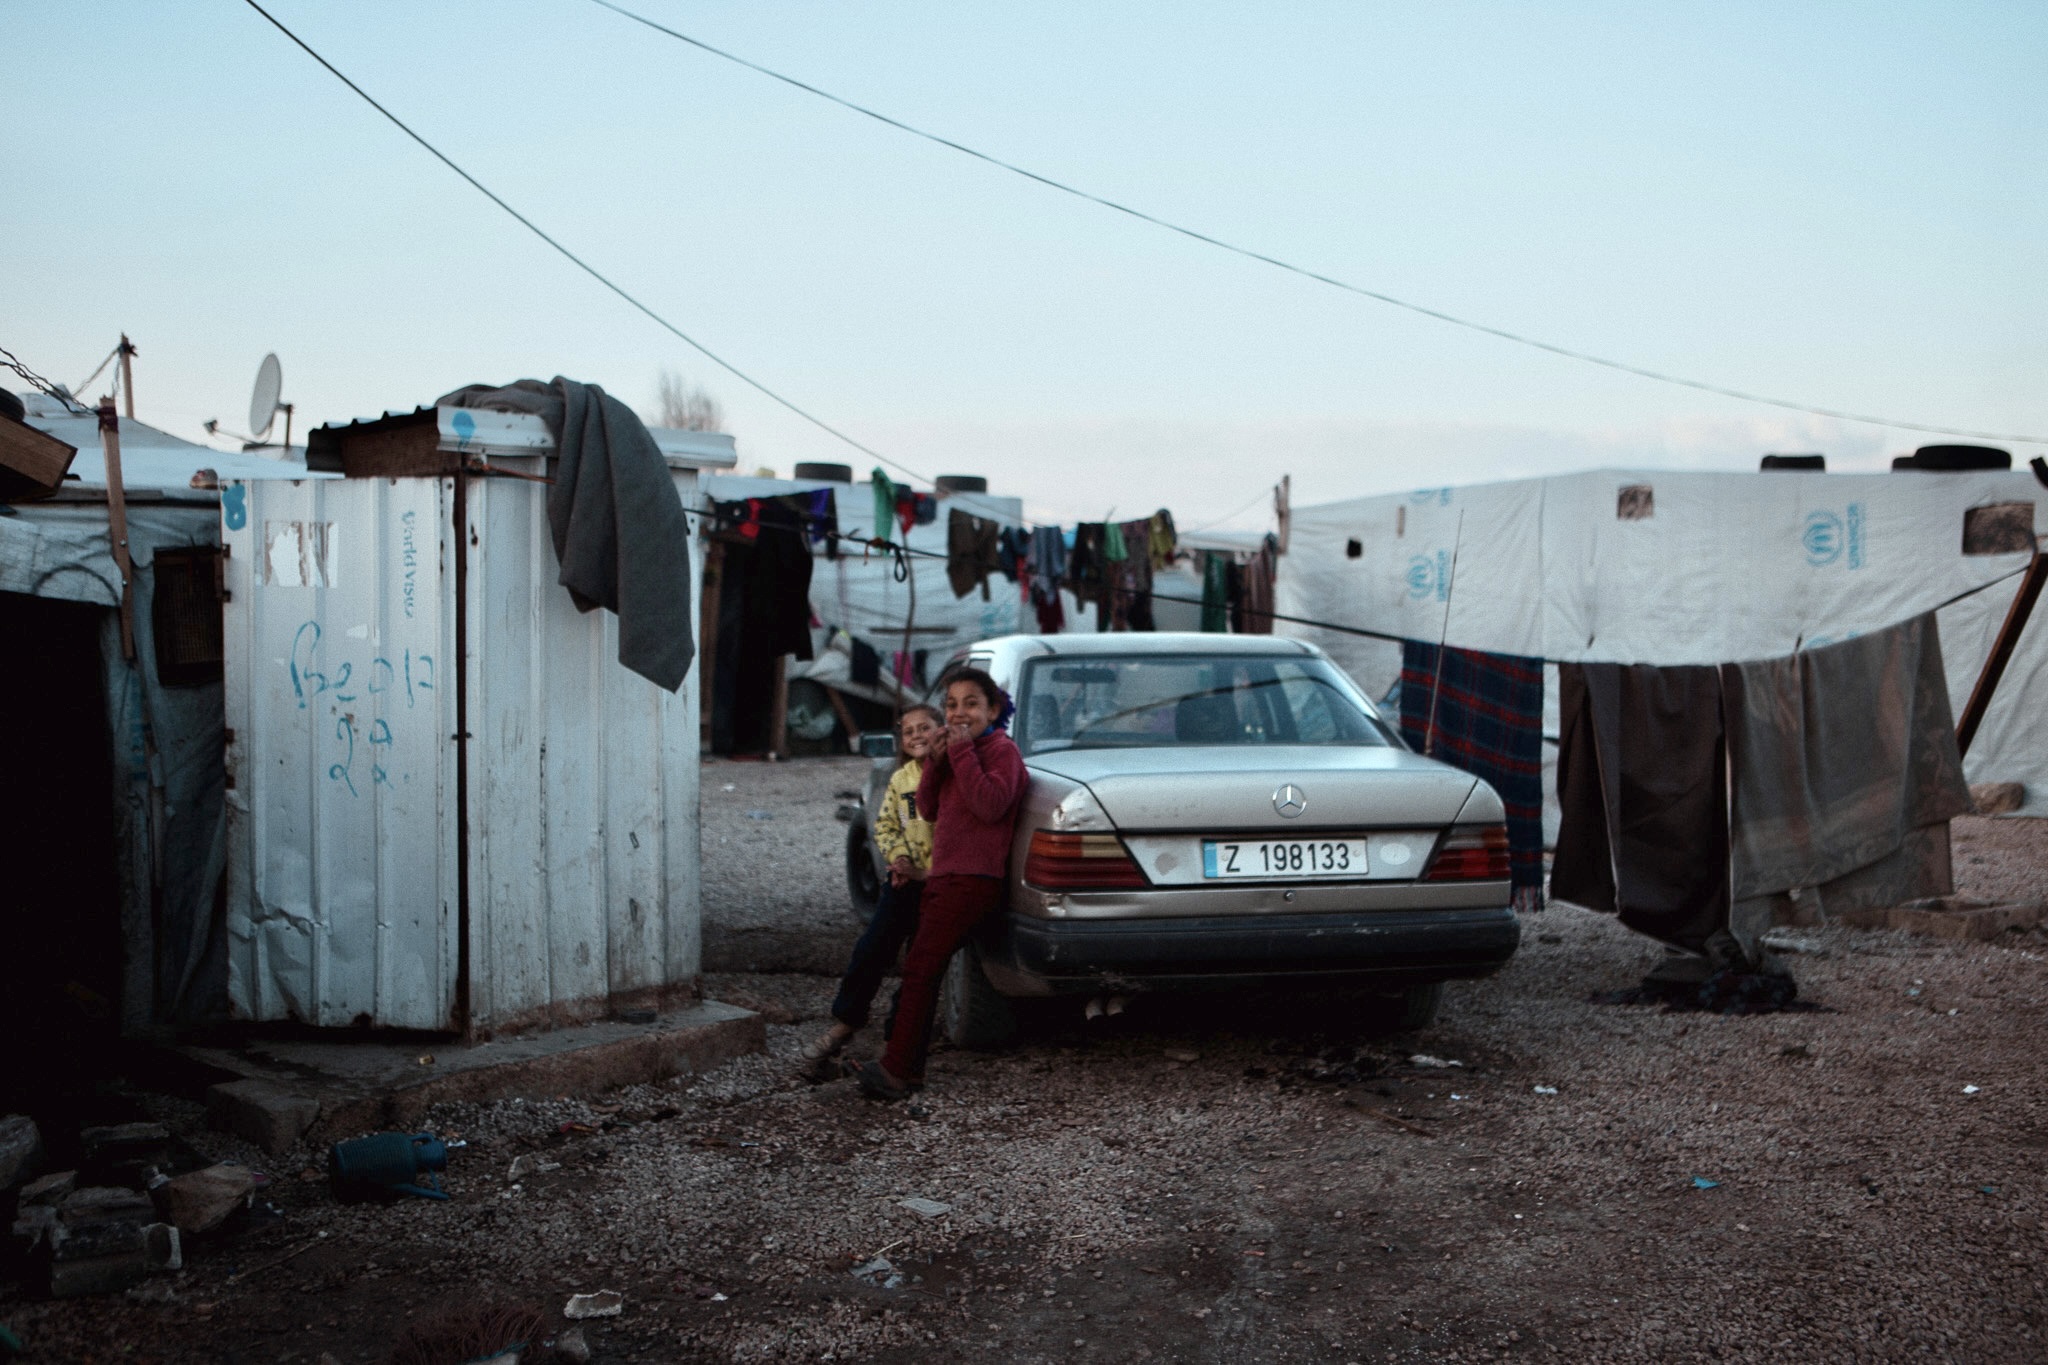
(1840, 204)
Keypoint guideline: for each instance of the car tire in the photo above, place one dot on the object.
(863, 878)
(1406, 1011)
(972, 1014)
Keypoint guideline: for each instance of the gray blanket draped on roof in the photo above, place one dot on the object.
(618, 523)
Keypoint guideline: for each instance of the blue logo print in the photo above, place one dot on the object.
(1823, 538)
(234, 506)
(1427, 576)
(1828, 537)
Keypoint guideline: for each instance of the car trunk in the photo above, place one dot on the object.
(1232, 788)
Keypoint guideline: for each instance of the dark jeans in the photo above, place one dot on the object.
(953, 906)
(893, 925)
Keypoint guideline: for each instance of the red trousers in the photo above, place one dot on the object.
(952, 907)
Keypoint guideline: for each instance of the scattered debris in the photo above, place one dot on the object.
(1544, 1089)
(530, 1164)
(1182, 1055)
(1424, 1059)
(1970, 1089)
(571, 1346)
(760, 815)
(605, 1303)
(200, 1201)
(924, 1208)
(881, 1273)
(1700, 1182)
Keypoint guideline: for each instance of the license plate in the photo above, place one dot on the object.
(1266, 859)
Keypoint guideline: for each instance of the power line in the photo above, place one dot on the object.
(1248, 253)
(578, 261)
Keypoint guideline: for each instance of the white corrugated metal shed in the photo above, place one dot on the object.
(451, 806)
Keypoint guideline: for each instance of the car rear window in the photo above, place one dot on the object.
(1165, 701)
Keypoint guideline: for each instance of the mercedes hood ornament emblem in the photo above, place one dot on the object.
(1290, 801)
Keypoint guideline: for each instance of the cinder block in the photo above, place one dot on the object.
(269, 1116)
(21, 1150)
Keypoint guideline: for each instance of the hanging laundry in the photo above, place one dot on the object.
(1087, 567)
(1013, 550)
(764, 613)
(885, 504)
(1661, 861)
(1255, 590)
(1161, 539)
(1131, 604)
(1484, 713)
(867, 663)
(1215, 592)
(820, 510)
(1047, 567)
(972, 549)
(1114, 551)
(1844, 775)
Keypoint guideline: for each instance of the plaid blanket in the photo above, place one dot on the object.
(1489, 722)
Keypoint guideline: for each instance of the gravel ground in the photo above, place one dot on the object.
(774, 865)
(1241, 1180)
(2000, 859)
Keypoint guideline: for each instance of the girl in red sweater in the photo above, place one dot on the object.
(973, 783)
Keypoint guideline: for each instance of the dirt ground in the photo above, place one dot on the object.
(1536, 1176)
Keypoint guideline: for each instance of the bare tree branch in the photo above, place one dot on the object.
(686, 406)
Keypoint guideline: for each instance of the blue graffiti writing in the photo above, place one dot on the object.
(345, 731)
(304, 643)
(234, 506)
(380, 735)
(310, 680)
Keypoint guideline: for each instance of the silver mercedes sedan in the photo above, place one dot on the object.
(1225, 811)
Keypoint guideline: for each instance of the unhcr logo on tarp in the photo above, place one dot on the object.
(1430, 577)
(1829, 537)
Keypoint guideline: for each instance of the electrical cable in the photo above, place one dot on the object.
(56, 391)
(86, 383)
(1248, 253)
(578, 261)
(1257, 498)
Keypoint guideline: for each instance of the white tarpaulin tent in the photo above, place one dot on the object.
(1663, 567)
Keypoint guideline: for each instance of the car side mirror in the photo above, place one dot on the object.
(878, 745)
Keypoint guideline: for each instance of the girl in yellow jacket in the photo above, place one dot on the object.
(905, 837)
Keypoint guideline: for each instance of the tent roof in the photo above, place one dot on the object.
(150, 459)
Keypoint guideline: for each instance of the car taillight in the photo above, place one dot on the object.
(1080, 862)
(1472, 855)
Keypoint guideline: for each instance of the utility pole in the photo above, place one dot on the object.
(127, 350)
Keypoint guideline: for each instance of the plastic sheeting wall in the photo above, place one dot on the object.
(1665, 567)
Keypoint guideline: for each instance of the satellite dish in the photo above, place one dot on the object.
(263, 402)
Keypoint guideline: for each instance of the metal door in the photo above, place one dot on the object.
(341, 662)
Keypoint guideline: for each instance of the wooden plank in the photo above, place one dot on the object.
(32, 463)
(2002, 651)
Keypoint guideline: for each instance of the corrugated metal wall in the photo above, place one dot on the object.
(583, 779)
(340, 695)
(344, 900)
